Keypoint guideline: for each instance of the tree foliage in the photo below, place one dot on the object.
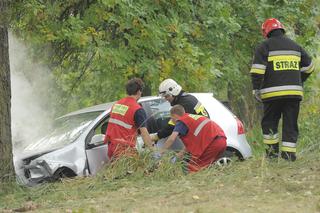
(94, 46)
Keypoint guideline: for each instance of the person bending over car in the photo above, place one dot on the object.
(173, 93)
(126, 118)
(204, 140)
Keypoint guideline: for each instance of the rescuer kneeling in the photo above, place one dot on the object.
(203, 139)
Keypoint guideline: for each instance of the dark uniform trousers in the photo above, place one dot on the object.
(273, 110)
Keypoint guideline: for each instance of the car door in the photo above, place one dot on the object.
(96, 150)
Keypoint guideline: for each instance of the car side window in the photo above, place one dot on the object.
(100, 128)
(158, 114)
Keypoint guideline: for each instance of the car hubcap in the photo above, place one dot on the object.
(224, 161)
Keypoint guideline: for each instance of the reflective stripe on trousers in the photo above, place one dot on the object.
(288, 146)
(270, 139)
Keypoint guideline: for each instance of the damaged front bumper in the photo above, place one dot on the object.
(35, 172)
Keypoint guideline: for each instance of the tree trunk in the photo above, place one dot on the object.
(6, 165)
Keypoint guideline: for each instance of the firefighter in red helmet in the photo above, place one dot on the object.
(279, 68)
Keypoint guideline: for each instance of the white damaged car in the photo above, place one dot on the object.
(75, 145)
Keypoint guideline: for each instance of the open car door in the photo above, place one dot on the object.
(96, 149)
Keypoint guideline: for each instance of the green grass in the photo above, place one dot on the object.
(255, 185)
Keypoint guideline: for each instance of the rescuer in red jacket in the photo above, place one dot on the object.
(127, 117)
(204, 140)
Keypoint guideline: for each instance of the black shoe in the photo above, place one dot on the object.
(272, 151)
(289, 156)
(271, 154)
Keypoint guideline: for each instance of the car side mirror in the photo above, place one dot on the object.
(97, 140)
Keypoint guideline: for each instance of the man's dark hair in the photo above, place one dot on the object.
(134, 85)
(177, 110)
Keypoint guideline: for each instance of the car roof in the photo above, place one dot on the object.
(96, 108)
(102, 107)
(107, 106)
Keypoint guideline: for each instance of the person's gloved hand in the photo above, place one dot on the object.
(156, 155)
(257, 95)
(154, 137)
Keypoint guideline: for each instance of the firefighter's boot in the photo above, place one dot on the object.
(289, 156)
(272, 151)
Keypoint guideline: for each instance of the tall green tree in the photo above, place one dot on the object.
(94, 46)
(6, 165)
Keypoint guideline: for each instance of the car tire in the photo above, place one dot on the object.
(223, 161)
(63, 172)
(228, 157)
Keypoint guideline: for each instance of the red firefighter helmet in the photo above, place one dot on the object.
(269, 25)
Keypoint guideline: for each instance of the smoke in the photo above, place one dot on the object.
(30, 86)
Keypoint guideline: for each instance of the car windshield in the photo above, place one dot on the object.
(160, 108)
(65, 131)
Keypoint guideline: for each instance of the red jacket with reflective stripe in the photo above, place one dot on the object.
(201, 132)
(121, 125)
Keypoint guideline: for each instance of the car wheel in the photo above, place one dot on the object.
(63, 172)
(229, 156)
(223, 161)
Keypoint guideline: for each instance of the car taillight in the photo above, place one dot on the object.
(240, 127)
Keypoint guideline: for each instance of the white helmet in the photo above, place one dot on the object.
(169, 87)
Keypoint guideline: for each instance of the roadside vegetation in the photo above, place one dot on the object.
(92, 47)
(144, 185)
(256, 185)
